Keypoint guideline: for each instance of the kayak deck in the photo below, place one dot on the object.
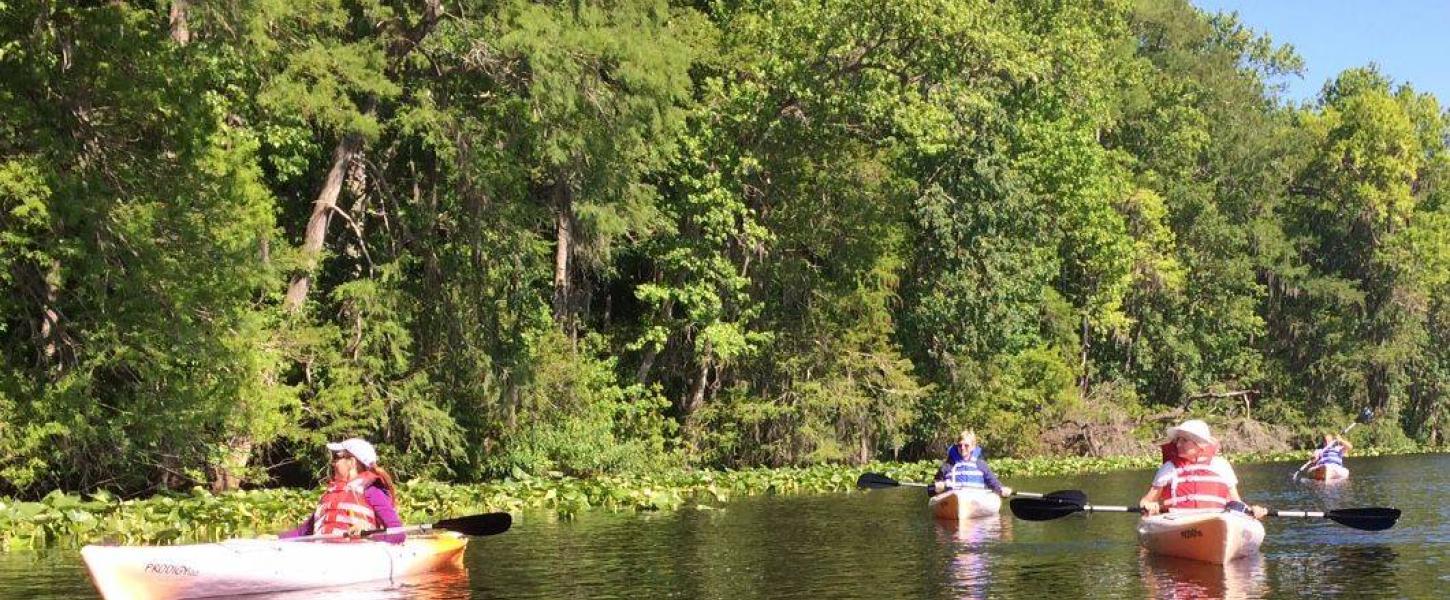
(247, 566)
(963, 504)
(1214, 537)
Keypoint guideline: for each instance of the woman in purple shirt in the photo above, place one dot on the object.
(359, 497)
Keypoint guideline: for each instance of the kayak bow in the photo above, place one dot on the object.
(963, 504)
(1215, 537)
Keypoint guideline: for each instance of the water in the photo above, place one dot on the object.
(882, 545)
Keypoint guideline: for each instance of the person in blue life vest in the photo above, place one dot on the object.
(965, 467)
(1333, 451)
(359, 497)
(1193, 476)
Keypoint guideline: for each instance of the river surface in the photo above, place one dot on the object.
(882, 544)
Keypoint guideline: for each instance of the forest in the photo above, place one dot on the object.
(505, 237)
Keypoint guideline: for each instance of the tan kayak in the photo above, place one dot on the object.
(1328, 472)
(250, 566)
(1215, 537)
(963, 504)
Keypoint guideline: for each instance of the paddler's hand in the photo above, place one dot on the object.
(1005, 492)
(1149, 508)
(1259, 512)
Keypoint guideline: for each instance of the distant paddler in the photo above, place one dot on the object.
(1327, 464)
(965, 486)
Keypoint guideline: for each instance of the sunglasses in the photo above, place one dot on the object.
(340, 455)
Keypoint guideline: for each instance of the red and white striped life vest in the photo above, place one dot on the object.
(344, 508)
(1195, 485)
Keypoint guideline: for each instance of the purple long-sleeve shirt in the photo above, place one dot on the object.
(382, 506)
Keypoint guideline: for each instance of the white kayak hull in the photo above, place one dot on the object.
(1214, 537)
(963, 504)
(248, 566)
(1328, 472)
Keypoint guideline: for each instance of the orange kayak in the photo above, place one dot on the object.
(963, 504)
(250, 566)
(1215, 537)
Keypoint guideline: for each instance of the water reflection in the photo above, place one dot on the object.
(1170, 578)
(969, 570)
(1359, 570)
(447, 583)
(1331, 492)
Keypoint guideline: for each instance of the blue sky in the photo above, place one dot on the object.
(1408, 39)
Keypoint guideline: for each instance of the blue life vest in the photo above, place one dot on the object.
(1333, 454)
(964, 472)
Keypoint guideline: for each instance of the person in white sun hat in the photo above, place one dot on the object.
(1193, 477)
(359, 497)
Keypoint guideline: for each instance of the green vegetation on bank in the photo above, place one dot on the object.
(611, 236)
(61, 520)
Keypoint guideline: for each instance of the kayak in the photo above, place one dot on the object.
(1215, 537)
(251, 566)
(963, 504)
(1328, 472)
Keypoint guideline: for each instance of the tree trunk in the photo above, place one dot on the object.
(180, 33)
(667, 310)
(1378, 385)
(1083, 365)
(698, 386)
(226, 475)
(342, 156)
(49, 317)
(564, 238)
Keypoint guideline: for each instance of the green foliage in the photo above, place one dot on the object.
(610, 237)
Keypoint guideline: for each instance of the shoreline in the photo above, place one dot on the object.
(68, 521)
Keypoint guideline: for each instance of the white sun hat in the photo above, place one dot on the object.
(1193, 428)
(359, 448)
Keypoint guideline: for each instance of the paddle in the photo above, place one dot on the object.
(473, 525)
(1368, 519)
(1055, 507)
(1364, 416)
(877, 481)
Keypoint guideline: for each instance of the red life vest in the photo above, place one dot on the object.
(1194, 484)
(344, 507)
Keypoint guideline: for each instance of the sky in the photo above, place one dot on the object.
(1408, 39)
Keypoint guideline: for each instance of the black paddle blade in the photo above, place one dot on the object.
(1365, 416)
(485, 524)
(1073, 496)
(1045, 508)
(876, 481)
(1368, 519)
